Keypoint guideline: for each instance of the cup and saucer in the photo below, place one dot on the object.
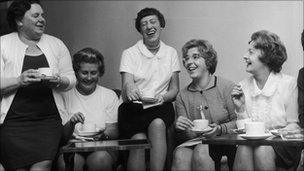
(46, 73)
(88, 129)
(201, 126)
(255, 131)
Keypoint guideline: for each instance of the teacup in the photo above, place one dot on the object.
(240, 124)
(88, 127)
(200, 124)
(45, 71)
(255, 128)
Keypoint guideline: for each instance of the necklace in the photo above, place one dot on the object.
(153, 48)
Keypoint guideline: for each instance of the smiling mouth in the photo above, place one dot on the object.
(191, 68)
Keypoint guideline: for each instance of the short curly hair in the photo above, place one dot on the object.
(273, 50)
(205, 49)
(147, 12)
(16, 11)
(89, 55)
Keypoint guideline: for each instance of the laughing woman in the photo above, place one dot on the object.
(32, 106)
(269, 96)
(150, 67)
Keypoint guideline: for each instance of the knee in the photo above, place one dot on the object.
(178, 156)
(139, 136)
(158, 123)
(201, 154)
(99, 158)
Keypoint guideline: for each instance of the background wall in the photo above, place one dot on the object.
(109, 27)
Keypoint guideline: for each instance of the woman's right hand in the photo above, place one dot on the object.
(77, 117)
(133, 93)
(183, 123)
(238, 98)
(28, 77)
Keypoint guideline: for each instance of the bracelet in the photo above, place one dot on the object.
(59, 80)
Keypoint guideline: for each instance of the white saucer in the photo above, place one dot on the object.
(148, 99)
(202, 131)
(87, 134)
(255, 137)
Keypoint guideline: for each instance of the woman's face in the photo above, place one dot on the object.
(253, 63)
(33, 22)
(150, 28)
(195, 63)
(87, 78)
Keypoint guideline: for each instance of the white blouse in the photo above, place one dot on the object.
(275, 104)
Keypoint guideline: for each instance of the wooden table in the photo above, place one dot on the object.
(234, 139)
(89, 146)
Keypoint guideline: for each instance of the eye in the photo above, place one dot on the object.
(153, 21)
(196, 56)
(186, 58)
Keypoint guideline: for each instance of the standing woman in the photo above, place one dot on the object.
(32, 107)
(269, 96)
(301, 89)
(150, 67)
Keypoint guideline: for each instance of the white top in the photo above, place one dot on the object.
(276, 104)
(11, 60)
(152, 73)
(100, 107)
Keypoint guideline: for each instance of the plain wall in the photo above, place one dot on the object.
(108, 26)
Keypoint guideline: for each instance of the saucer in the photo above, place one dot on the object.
(87, 134)
(202, 131)
(255, 137)
(148, 99)
(275, 132)
(48, 78)
(239, 131)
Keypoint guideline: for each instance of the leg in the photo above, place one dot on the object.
(264, 158)
(243, 158)
(78, 162)
(99, 160)
(182, 158)
(136, 160)
(201, 159)
(157, 137)
(45, 165)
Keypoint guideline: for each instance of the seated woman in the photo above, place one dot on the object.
(208, 97)
(148, 69)
(269, 96)
(90, 102)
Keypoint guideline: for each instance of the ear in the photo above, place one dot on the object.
(19, 23)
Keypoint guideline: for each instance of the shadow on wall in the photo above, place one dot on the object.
(4, 28)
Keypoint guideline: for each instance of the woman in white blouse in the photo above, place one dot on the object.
(269, 96)
(150, 82)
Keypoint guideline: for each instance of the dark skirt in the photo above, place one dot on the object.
(133, 119)
(32, 142)
(287, 156)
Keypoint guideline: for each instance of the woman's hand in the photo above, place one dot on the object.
(76, 118)
(216, 130)
(53, 83)
(160, 99)
(183, 123)
(28, 77)
(238, 98)
(133, 93)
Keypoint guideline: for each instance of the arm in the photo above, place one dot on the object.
(9, 85)
(173, 88)
(182, 123)
(226, 127)
(300, 83)
(130, 92)
(69, 127)
(291, 106)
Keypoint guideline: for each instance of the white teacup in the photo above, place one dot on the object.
(45, 71)
(255, 128)
(200, 124)
(240, 124)
(88, 127)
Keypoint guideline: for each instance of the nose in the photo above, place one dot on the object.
(245, 57)
(149, 25)
(89, 76)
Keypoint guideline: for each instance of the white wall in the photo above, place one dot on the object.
(109, 27)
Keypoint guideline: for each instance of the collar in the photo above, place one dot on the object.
(212, 83)
(145, 51)
(269, 88)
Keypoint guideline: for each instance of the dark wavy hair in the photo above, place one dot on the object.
(273, 50)
(205, 49)
(89, 55)
(16, 11)
(147, 12)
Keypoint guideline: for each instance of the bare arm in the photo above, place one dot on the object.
(130, 91)
(173, 88)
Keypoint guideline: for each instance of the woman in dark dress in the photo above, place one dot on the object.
(32, 106)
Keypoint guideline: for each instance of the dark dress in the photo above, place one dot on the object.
(301, 96)
(32, 128)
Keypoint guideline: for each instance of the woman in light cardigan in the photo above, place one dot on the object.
(32, 108)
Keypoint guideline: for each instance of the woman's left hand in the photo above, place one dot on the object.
(213, 132)
(160, 99)
(53, 83)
